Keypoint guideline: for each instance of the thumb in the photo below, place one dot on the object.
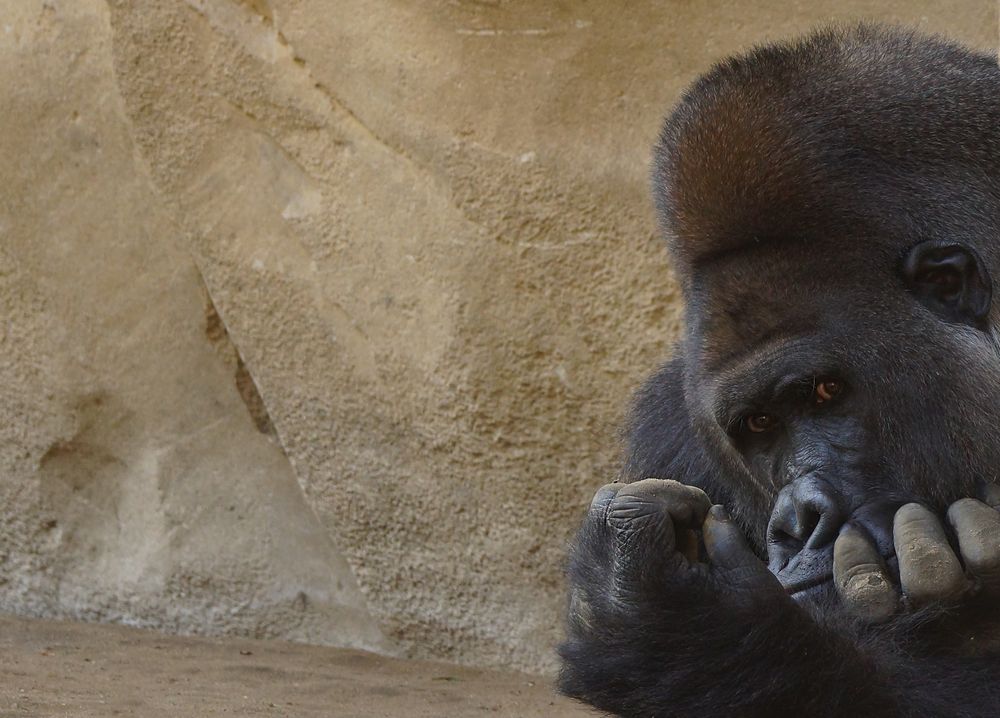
(729, 552)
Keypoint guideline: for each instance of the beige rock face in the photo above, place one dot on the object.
(136, 485)
(319, 318)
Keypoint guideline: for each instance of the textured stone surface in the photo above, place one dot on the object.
(291, 282)
(136, 485)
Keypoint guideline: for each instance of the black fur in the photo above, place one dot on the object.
(798, 187)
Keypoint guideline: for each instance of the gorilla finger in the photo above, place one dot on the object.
(861, 577)
(602, 500)
(978, 529)
(725, 543)
(649, 500)
(729, 552)
(929, 571)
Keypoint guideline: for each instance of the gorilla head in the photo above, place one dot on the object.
(832, 209)
(833, 212)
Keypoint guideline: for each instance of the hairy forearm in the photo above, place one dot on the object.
(768, 663)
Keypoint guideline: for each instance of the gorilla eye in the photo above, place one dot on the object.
(826, 390)
(759, 423)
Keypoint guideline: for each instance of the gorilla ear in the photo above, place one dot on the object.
(950, 280)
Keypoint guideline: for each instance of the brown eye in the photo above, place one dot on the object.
(759, 423)
(826, 390)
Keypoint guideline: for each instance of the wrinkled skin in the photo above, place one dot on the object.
(822, 536)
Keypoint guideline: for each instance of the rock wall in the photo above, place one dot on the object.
(319, 318)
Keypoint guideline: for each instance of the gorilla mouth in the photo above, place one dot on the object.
(803, 560)
(806, 570)
(811, 569)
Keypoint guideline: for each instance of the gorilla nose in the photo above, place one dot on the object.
(807, 515)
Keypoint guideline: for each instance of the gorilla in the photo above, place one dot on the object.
(820, 535)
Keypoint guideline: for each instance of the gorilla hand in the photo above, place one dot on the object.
(930, 572)
(645, 533)
(647, 618)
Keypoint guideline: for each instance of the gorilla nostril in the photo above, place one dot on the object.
(826, 529)
(806, 516)
(784, 528)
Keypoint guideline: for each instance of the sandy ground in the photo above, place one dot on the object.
(50, 668)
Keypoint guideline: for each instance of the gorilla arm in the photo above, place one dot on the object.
(654, 631)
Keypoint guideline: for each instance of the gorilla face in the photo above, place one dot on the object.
(830, 387)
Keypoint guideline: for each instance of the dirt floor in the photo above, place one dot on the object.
(50, 668)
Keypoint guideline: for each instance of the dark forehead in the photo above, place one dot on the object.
(761, 295)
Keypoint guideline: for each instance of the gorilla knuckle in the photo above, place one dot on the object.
(977, 527)
(602, 499)
(629, 510)
(916, 521)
